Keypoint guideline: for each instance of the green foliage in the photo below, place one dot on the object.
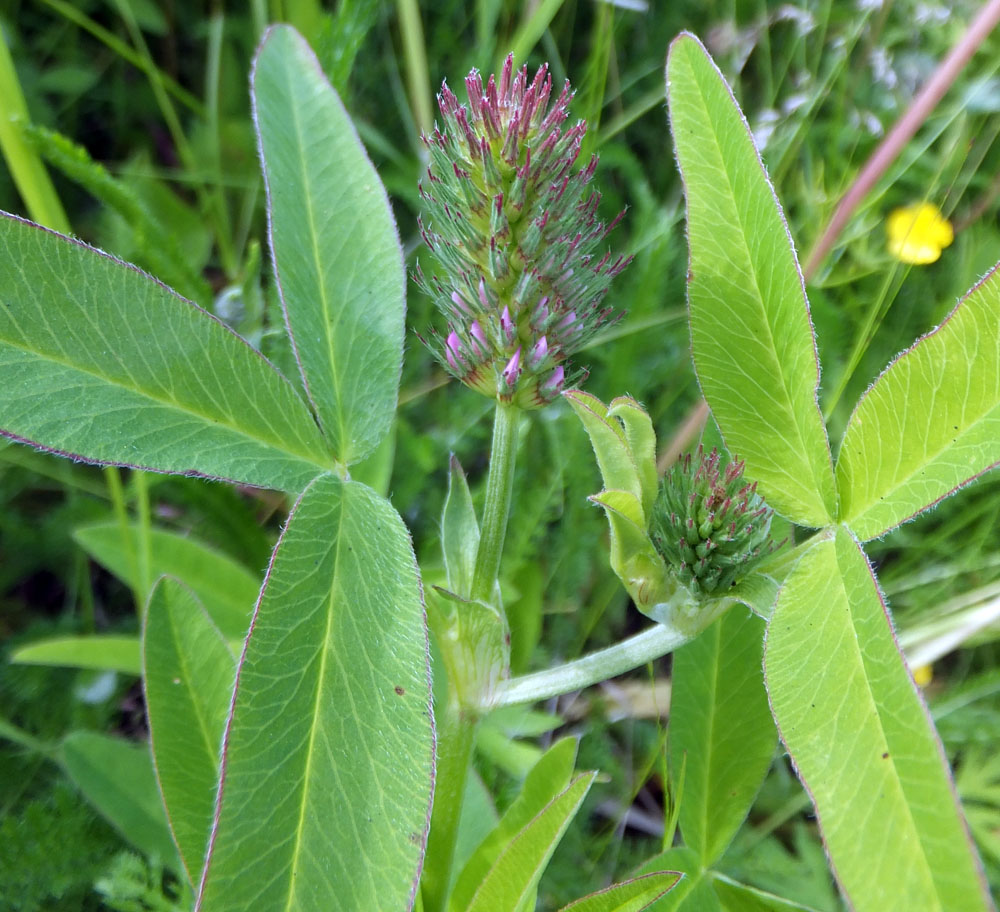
(158, 247)
(630, 896)
(459, 532)
(912, 847)
(511, 881)
(188, 676)
(899, 458)
(61, 848)
(881, 793)
(61, 387)
(751, 334)
(341, 651)
(143, 115)
(117, 778)
(621, 435)
(338, 263)
(548, 778)
(721, 736)
(100, 651)
(227, 589)
(132, 884)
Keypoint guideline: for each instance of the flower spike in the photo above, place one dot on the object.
(510, 218)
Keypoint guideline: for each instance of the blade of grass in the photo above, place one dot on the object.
(216, 30)
(418, 78)
(110, 40)
(26, 168)
(116, 494)
(654, 98)
(487, 14)
(595, 79)
(210, 201)
(531, 29)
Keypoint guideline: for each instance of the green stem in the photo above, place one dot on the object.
(456, 735)
(119, 505)
(26, 168)
(415, 54)
(456, 731)
(499, 486)
(210, 200)
(144, 524)
(607, 663)
(16, 735)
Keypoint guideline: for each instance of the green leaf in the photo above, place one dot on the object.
(641, 440)
(100, 651)
(737, 897)
(628, 896)
(515, 874)
(757, 591)
(116, 777)
(930, 423)
(751, 333)
(102, 363)
(624, 444)
(721, 723)
(329, 740)
(618, 462)
(227, 589)
(335, 247)
(508, 754)
(693, 892)
(548, 778)
(633, 556)
(861, 740)
(459, 532)
(189, 674)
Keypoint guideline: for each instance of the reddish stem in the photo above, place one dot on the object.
(904, 129)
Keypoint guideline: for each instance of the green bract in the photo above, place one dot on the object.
(624, 443)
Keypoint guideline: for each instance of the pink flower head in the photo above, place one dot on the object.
(512, 222)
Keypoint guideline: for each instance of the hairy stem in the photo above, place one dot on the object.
(456, 735)
(607, 663)
(499, 485)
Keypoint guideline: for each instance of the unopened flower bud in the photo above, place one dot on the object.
(709, 525)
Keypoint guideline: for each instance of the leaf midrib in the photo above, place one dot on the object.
(873, 500)
(211, 421)
(290, 903)
(324, 298)
(819, 488)
(873, 702)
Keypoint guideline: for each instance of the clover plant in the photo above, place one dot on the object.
(300, 761)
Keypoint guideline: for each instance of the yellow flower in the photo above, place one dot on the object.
(918, 233)
(923, 675)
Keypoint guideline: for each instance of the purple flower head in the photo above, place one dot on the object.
(511, 219)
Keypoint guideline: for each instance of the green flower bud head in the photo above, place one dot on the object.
(709, 525)
(513, 225)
